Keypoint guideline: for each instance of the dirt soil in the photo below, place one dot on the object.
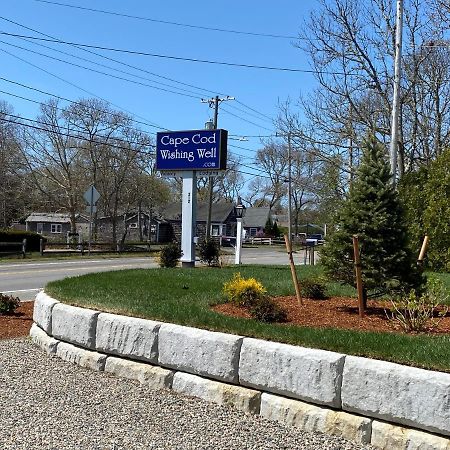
(17, 324)
(334, 312)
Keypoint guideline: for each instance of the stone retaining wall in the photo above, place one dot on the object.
(315, 390)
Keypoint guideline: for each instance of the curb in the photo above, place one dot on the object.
(363, 400)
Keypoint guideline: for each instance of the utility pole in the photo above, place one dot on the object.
(393, 150)
(213, 103)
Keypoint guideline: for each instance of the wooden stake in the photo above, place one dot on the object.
(423, 250)
(359, 284)
(293, 272)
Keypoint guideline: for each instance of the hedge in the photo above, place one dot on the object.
(33, 239)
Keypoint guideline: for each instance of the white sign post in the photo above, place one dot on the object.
(188, 217)
(91, 196)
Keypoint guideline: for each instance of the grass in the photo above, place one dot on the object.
(184, 297)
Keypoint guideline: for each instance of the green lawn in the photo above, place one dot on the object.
(184, 295)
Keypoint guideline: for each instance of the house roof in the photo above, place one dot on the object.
(48, 217)
(256, 217)
(219, 211)
(52, 217)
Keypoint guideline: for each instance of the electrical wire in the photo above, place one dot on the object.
(245, 120)
(148, 123)
(167, 22)
(140, 69)
(96, 71)
(177, 58)
(74, 102)
(127, 65)
(68, 135)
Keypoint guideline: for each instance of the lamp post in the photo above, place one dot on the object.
(240, 212)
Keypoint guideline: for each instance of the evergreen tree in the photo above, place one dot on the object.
(268, 228)
(373, 212)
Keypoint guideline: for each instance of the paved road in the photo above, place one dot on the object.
(24, 279)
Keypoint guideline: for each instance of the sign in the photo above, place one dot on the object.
(191, 150)
(91, 196)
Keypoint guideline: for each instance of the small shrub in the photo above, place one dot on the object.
(170, 254)
(417, 313)
(243, 291)
(265, 310)
(314, 288)
(8, 304)
(209, 251)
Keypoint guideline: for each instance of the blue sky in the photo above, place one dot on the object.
(258, 89)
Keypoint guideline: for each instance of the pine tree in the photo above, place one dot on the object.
(373, 212)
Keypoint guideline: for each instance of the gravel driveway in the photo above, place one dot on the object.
(46, 403)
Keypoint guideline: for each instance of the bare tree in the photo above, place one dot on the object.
(350, 44)
(14, 197)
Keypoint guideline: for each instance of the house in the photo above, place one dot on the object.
(255, 220)
(54, 226)
(140, 226)
(223, 219)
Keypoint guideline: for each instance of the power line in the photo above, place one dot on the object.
(60, 133)
(250, 113)
(58, 97)
(96, 71)
(148, 123)
(254, 110)
(167, 22)
(245, 120)
(140, 69)
(40, 122)
(127, 65)
(177, 58)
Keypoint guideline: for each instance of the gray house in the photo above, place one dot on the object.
(54, 226)
(255, 220)
(223, 219)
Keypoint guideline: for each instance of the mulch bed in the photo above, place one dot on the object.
(17, 324)
(334, 312)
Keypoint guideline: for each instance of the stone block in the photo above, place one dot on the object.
(388, 437)
(74, 325)
(313, 418)
(81, 356)
(201, 352)
(42, 312)
(127, 336)
(243, 399)
(153, 376)
(311, 375)
(43, 340)
(395, 393)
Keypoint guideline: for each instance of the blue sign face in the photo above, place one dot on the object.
(191, 150)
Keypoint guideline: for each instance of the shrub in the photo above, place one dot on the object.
(419, 312)
(243, 291)
(170, 254)
(265, 310)
(314, 288)
(33, 239)
(209, 251)
(8, 304)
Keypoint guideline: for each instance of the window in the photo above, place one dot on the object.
(216, 230)
(55, 228)
(133, 225)
(253, 231)
(39, 228)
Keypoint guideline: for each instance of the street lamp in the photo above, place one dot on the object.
(240, 213)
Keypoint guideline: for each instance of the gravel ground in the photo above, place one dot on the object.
(48, 404)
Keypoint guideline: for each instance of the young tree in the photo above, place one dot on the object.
(373, 212)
